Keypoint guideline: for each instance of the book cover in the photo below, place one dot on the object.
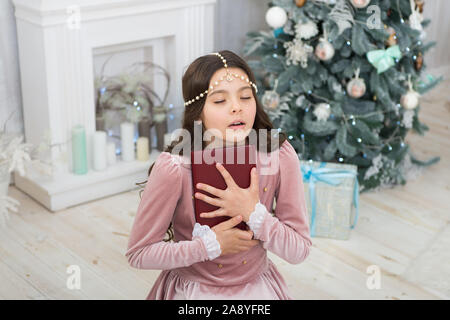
(237, 160)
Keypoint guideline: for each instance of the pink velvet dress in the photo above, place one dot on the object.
(188, 273)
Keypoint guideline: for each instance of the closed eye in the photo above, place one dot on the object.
(243, 98)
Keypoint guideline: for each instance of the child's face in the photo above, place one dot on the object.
(229, 102)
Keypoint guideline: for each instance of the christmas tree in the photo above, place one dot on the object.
(344, 79)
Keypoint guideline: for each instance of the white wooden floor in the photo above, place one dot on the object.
(404, 231)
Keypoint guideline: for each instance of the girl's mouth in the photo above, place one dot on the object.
(237, 125)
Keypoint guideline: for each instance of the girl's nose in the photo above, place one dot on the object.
(235, 108)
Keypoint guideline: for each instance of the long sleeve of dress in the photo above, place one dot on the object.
(146, 248)
(287, 234)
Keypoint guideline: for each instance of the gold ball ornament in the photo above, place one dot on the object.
(419, 61)
(410, 100)
(324, 50)
(419, 4)
(392, 40)
(271, 99)
(356, 88)
(300, 3)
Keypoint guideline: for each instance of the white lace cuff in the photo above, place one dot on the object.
(256, 218)
(209, 239)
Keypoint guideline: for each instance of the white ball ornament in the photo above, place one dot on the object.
(276, 17)
(410, 100)
(324, 50)
(360, 3)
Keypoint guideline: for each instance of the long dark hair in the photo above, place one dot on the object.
(195, 80)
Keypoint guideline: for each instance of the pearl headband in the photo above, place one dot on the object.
(229, 77)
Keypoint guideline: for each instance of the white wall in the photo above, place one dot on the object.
(10, 95)
(438, 30)
(234, 18)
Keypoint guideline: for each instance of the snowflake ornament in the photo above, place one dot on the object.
(297, 52)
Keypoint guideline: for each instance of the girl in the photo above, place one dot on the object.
(223, 262)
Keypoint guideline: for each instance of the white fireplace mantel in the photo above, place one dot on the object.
(57, 40)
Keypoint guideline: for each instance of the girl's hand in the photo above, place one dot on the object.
(233, 240)
(232, 201)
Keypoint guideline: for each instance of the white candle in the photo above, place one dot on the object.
(99, 151)
(111, 153)
(142, 149)
(127, 139)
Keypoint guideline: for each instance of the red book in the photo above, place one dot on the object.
(237, 160)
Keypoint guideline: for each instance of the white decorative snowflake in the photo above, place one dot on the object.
(297, 51)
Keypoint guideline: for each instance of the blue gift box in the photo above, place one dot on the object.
(331, 194)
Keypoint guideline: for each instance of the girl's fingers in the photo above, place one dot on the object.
(245, 235)
(254, 179)
(226, 175)
(216, 202)
(210, 189)
(216, 213)
(230, 223)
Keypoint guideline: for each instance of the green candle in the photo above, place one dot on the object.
(79, 157)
